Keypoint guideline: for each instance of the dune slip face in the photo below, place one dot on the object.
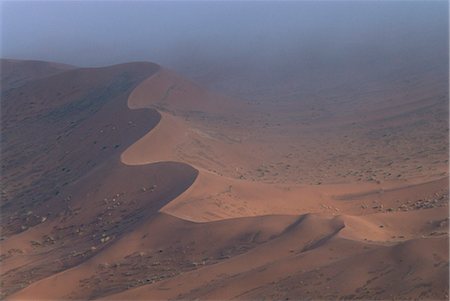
(137, 184)
(78, 194)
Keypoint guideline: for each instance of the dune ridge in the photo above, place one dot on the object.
(375, 228)
(139, 190)
(173, 133)
(189, 231)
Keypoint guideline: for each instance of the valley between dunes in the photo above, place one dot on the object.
(176, 192)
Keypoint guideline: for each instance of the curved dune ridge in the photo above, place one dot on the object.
(165, 223)
(100, 188)
(206, 200)
(381, 228)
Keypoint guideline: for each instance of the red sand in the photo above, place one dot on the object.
(163, 190)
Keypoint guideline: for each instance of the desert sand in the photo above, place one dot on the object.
(137, 183)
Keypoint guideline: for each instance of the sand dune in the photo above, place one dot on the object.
(214, 196)
(96, 191)
(17, 72)
(307, 246)
(177, 198)
(236, 256)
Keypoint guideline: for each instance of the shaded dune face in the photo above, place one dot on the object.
(61, 144)
(17, 72)
(391, 271)
(94, 213)
(56, 130)
(305, 257)
(119, 194)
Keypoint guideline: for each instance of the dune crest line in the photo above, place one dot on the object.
(213, 196)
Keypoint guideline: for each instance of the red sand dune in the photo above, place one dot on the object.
(154, 188)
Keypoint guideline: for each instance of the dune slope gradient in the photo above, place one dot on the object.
(138, 184)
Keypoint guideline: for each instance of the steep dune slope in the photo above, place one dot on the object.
(57, 129)
(394, 201)
(174, 200)
(98, 210)
(218, 193)
(70, 196)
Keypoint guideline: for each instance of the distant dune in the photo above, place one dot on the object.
(14, 73)
(132, 182)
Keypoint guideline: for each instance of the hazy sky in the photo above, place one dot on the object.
(175, 33)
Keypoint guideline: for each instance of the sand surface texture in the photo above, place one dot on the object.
(132, 182)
